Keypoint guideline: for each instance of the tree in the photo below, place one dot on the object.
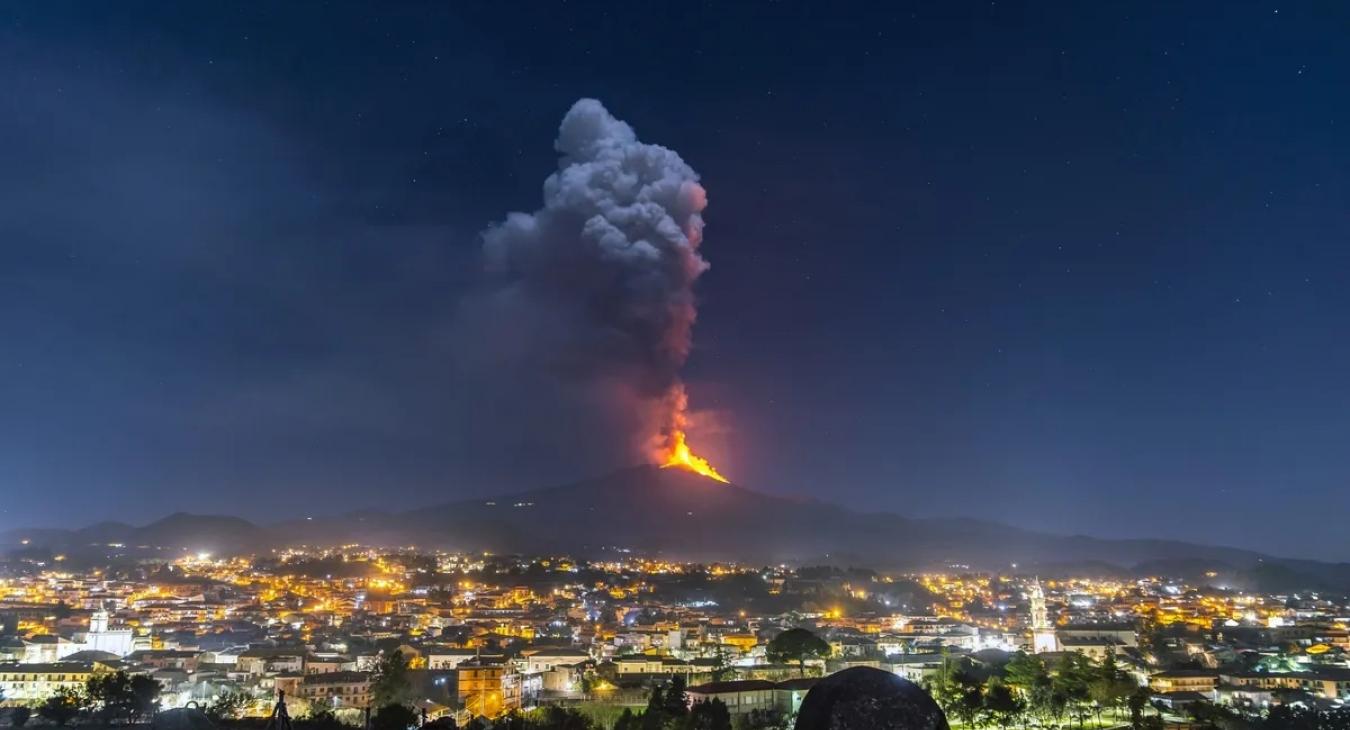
(1288, 717)
(627, 721)
(1208, 714)
(797, 645)
(512, 720)
(761, 720)
(391, 685)
(710, 715)
(144, 696)
(1056, 702)
(723, 667)
(675, 703)
(320, 717)
(560, 718)
(112, 698)
(969, 706)
(1070, 685)
(1002, 703)
(18, 716)
(227, 705)
(1111, 691)
(1111, 687)
(64, 705)
(956, 689)
(653, 717)
(393, 717)
(121, 697)
(1028, 676)
(1138, 702)
(1023, 671)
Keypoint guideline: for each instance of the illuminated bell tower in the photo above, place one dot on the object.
(1043, 637)
(101, 637)
(98, 623)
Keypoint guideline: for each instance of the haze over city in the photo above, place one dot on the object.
(1069, 267)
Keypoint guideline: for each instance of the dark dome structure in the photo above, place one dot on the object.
(863, 698)
(183, 718)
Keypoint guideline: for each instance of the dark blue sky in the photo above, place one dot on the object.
(1074, 266)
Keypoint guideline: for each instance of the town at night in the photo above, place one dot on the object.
(701, 365)
(345, 629)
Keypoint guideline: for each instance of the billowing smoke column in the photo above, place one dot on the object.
(603, 274)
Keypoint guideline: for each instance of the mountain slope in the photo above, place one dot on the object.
(682, 515)
(176, 533)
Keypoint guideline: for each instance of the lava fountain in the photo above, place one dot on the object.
(681, 457)
(673, 451)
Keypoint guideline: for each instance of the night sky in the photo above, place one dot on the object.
(1079, 267)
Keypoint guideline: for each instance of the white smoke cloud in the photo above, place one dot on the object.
(596, 287)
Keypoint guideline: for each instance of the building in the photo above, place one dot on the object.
(326, 664)
(854, 647)
(544, 660)
(789, 694)
(100, 637)
(741, 696)
(165, 659)
(1184, 680)
(643, 664)
(33, 682)
(1265, 680)
(488, 687)
(749, 695)
(1258, 689)
(47, 649)
(270, 660)
(1121, 635)
(1097, 640)
(1332, 683)
(561, 681)
(915, 667)
(742, 642)
(446, 658)
(337, 690)
(1095, 647)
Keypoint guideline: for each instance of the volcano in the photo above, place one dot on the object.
(682, 515)
(679, 514)
(646, 508)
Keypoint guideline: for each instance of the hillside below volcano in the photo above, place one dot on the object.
(681, 515)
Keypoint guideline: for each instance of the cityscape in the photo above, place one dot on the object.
(483, 636)
(345, 630)
(700, 365)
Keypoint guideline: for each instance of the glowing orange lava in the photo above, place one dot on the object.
(678, 455)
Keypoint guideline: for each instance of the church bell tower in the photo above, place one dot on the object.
(1043, 637)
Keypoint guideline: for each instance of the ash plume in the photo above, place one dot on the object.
(594, 290)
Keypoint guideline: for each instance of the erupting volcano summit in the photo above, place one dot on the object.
(596, 288)
(682, 458)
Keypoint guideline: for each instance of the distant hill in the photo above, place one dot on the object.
(177, 533)
(683, 515)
